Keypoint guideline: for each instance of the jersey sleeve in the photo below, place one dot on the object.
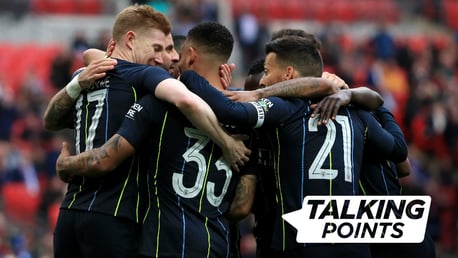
(380, 141)
(266, 111)
(153, 76)
(139, 120)
(386, 119)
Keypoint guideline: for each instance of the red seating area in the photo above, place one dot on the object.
(451, 13)
(89, 7)
(322, 10)
(17, 61)
(19, 204)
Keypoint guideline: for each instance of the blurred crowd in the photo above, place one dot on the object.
(417, 76)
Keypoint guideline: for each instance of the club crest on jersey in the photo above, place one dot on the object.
(133, 111)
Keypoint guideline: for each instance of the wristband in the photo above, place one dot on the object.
(73, 88)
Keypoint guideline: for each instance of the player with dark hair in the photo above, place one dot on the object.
(191, 184)
(254, 75)
(300, 168)
(202, 55)
(194, 186)
(295, 32)
(178, 40)
(178, 43)
(264, 194)
(102, 217)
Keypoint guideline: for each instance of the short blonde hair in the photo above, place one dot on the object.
(139, 18)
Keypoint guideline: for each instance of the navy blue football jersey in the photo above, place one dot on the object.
(98, 114)
(191, 184)
(264, 200)
(310, 159)
(379, 175)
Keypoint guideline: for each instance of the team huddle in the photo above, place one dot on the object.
(168, 160)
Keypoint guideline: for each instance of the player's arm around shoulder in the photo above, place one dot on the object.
(176, 93)
(382, 139)
(95, 162)
(199, 113)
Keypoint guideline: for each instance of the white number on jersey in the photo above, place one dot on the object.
(94, 96)
(316, 170)
(193, 154)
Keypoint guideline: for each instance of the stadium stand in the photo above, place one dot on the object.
(426, 111)
(323, 10)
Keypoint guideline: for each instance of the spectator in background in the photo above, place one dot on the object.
(79, 44)
(184, 17)
(209, 10)
(19, 246)
(28, 131)
(18, 8)
(248, 31)
(61, 69)
(103, 38)
(391, 81)
(9, 113)
(19, 168)
(383, 43)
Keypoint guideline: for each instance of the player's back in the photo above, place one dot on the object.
(191, 186)
(379, 175)
(264, 200)
(98, 114)
(322, 160)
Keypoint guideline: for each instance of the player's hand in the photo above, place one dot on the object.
(225, 72)
(241, 96)
(236, 153)
(329, 106)
(61, 172)
(94, 71)
(335, 79)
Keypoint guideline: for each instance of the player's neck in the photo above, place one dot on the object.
(211, 74)
(120, 54)
(215, 81)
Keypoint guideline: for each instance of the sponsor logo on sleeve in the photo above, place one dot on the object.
(133, 111)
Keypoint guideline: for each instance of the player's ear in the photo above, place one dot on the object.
(289, 73)
(129, 39)
(192, 56)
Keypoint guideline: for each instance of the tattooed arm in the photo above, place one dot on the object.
(305, 87)
(308, 87)
(58, 112)
(95, 162)
(243, 199)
